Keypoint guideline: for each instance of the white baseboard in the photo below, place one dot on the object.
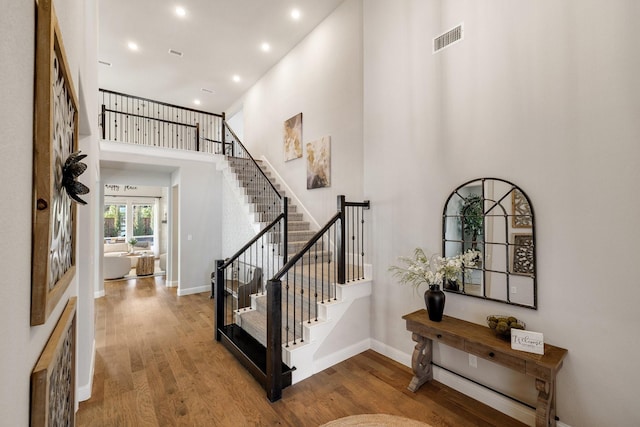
(490, 398)
(503, 404)
(98, 294)
(341, 355)
(196, 290)
(391, 353)
(171, 284)
(84, 391)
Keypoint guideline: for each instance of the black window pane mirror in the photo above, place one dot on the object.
(494, 219)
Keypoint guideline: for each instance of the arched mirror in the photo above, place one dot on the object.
(494, 219)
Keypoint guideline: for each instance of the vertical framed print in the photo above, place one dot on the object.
(53, 380)
(293, 138)
(55, 139)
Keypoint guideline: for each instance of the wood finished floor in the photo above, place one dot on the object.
(157, 364)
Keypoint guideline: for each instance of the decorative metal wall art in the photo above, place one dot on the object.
(522, 254)
(53, 378)
(293, 138)
(319, 163)
(55, 140)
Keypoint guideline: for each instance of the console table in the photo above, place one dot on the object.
(482, 342)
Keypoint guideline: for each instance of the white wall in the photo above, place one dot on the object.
(322, 78)
(22, 344)
(199, 202)
(544, 94)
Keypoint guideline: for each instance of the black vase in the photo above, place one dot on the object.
(434, 299)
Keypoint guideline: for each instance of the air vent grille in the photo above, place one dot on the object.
(204, 89)
(452, 36)
(108, 64)
(175, 52)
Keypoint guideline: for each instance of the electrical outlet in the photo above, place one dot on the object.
(473, 361)
(514, 289)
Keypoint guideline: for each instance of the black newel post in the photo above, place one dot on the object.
(197, 136)
(342, 241)
(274, 340)
(103, 115)
(219, 293)
(285, 238)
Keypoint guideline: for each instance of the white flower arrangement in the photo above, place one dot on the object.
(420, 270)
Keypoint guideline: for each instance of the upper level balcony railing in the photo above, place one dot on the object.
(136, 120)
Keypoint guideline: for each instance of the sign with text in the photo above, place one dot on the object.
(533, 342)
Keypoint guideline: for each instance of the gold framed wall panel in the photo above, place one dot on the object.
(55, 138)
(53, 379)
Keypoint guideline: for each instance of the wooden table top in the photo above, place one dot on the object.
(472, 332)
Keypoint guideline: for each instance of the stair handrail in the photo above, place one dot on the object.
(340, 243)
(274, 294)
(197, 125)
(257, 237)
(222, 265)
(237, 141)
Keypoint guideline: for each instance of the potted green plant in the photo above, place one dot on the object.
(472, 218)
(132, 243)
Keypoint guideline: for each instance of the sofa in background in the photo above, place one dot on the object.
(115, 267)
(120, 249)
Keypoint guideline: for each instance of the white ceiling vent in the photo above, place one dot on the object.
(175, 52)
(108, 64)
(452, 36)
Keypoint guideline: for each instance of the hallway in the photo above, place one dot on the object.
(158, 365)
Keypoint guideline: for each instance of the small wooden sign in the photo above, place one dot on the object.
(532, 342)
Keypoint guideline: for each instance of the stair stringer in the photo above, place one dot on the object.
(307, 215)
(318, 352)
(239, 193)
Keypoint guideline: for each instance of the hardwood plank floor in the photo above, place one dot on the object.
(157, 364)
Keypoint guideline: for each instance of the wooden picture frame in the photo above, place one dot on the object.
(55, 138)
(53, 379)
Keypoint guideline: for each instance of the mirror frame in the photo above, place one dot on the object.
(508, 218)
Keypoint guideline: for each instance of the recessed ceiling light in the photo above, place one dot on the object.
(265, 47)
(133, 46)
(295, 14)
(236, 78)
(108, 64)
(180, 11)
(196, 101)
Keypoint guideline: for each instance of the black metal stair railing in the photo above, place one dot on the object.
(259, 188)
(136, 120)
(239, 277)
(335, 254)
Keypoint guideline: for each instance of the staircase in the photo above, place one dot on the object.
(322, 321)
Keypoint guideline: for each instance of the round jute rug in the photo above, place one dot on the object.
(375, 420)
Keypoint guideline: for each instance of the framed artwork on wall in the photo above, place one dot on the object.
(53, 380)
(293, 138)
(319, 163)
(55, 139)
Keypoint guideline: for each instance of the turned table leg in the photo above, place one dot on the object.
(421, 362)
(546, 405)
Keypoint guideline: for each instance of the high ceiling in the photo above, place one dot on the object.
(218, 39)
